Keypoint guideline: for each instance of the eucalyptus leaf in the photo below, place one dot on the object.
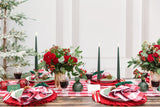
(158, 42)
(158, 71)
(77, 78)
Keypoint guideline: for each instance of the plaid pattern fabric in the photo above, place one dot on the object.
(70, 92)
(127, 92)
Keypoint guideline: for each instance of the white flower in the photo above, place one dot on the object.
(61, 59)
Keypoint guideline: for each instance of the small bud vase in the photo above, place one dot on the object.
(77, 86)
(143, 85)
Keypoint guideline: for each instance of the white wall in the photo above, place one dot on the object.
(89, 22)
(153, 20)
(44, 12)
(102, 21)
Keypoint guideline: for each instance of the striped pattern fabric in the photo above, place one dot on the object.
(70, 92)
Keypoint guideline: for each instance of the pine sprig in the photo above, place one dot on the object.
(10, 4)
(18, 18)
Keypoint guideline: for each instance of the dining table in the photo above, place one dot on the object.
(85, 102)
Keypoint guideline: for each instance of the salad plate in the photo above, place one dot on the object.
(50, 79)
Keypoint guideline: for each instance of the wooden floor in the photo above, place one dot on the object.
(86, 102)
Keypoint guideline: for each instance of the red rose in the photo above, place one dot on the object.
(74, 59)
(55, 61)
(48, 57)
(143, 58)
(157, 46)
(140, 52)
(155, 54)
(66, 58)
(150, 58)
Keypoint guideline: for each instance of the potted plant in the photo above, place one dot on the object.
(62, 62)
(148, 59)
(12, 51)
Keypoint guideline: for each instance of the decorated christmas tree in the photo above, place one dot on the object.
(12, 50)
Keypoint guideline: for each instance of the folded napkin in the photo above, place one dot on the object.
(127, 92)
(11, 101)
(100, 99)
(33, 94)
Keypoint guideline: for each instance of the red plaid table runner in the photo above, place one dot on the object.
(70, 92)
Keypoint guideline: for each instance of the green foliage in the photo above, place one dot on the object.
(10, 4)
(16, 53)
(32, 72)
(158, 42)
(148, 58)
(41, 84)
(18, 18)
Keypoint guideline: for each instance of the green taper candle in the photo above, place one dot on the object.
(118, 65)
(36, 57)
(98, 66)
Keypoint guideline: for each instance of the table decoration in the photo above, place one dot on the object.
(23, 82)
(43, 76)
(3, 85)
(78, 86)
(149, 60)
(13, 87)
(106, 79)
(118, 64)
(123, 94)
(13, 51)
(19, 97)
(62, 62)
(84, 92)
(100, 99)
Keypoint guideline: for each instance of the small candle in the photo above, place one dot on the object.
(118, 64)
(36, 57)
(98, 67)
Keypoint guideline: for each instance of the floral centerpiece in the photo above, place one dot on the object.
(61, 61)
(148, 59)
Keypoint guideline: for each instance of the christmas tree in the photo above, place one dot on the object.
(12, 51)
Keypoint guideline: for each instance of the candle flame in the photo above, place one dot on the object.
(99, 44)
(36, 33)
(118, 44)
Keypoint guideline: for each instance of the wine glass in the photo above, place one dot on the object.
(89, 77)
(17, 73)
(64, 83)
(155, 85)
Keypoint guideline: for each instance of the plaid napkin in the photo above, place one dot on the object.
(32, 94)
(100, 99)
(127, 92)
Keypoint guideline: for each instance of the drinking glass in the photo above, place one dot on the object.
(155, 85)
(89, 77)
(17, 73)
(64, 83)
